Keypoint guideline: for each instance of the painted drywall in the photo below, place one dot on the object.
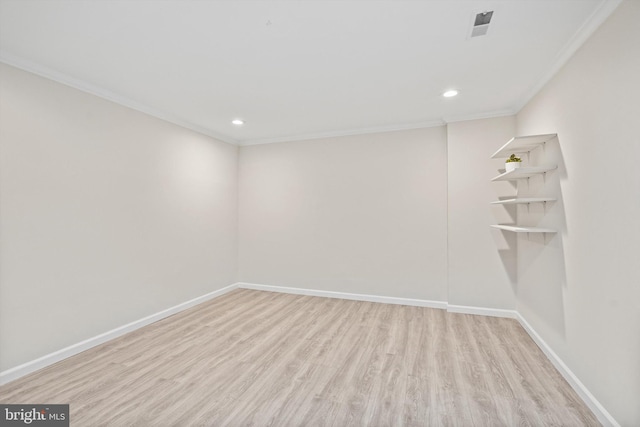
(482, 260)
(580, 290)
(360, 214)
(107, 215)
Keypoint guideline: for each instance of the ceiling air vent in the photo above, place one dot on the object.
(481, 24)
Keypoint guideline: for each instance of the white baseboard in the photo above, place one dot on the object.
(596, 407)
(51, 358)
(344, 295)
(481, 311)
(601, 413)
(494, 312)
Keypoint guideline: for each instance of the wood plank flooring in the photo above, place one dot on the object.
(252, 358)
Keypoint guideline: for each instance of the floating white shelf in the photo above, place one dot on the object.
(523, 229)
(522, 144)
(520, 173)
(523, 200)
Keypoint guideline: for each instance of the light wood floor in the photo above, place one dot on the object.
(267, 359)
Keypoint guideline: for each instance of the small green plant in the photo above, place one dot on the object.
(513, 158)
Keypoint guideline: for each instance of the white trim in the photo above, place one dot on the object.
(51, 358)
(493, 312)
(599, 15)
(92, 89)
(601, 413)
(481, 311)
(76, 83)
(346, 132)
(596, 407)
(344, 295)
(479, 116)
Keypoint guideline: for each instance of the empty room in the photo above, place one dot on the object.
(320, 213)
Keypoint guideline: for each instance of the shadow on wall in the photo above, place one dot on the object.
(539, 273)
(542, 276)
(506, 242)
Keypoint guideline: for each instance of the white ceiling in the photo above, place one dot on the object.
(299, 69)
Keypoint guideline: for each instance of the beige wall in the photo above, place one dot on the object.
(360, 214)
(581, 291)
(482, 260)
(107, 215)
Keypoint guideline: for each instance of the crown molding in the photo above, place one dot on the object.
(83, 86)
(345, 132)
(599, 15)
(478, 116)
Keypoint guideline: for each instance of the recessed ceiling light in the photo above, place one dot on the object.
(450, 93)
(237, 122)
